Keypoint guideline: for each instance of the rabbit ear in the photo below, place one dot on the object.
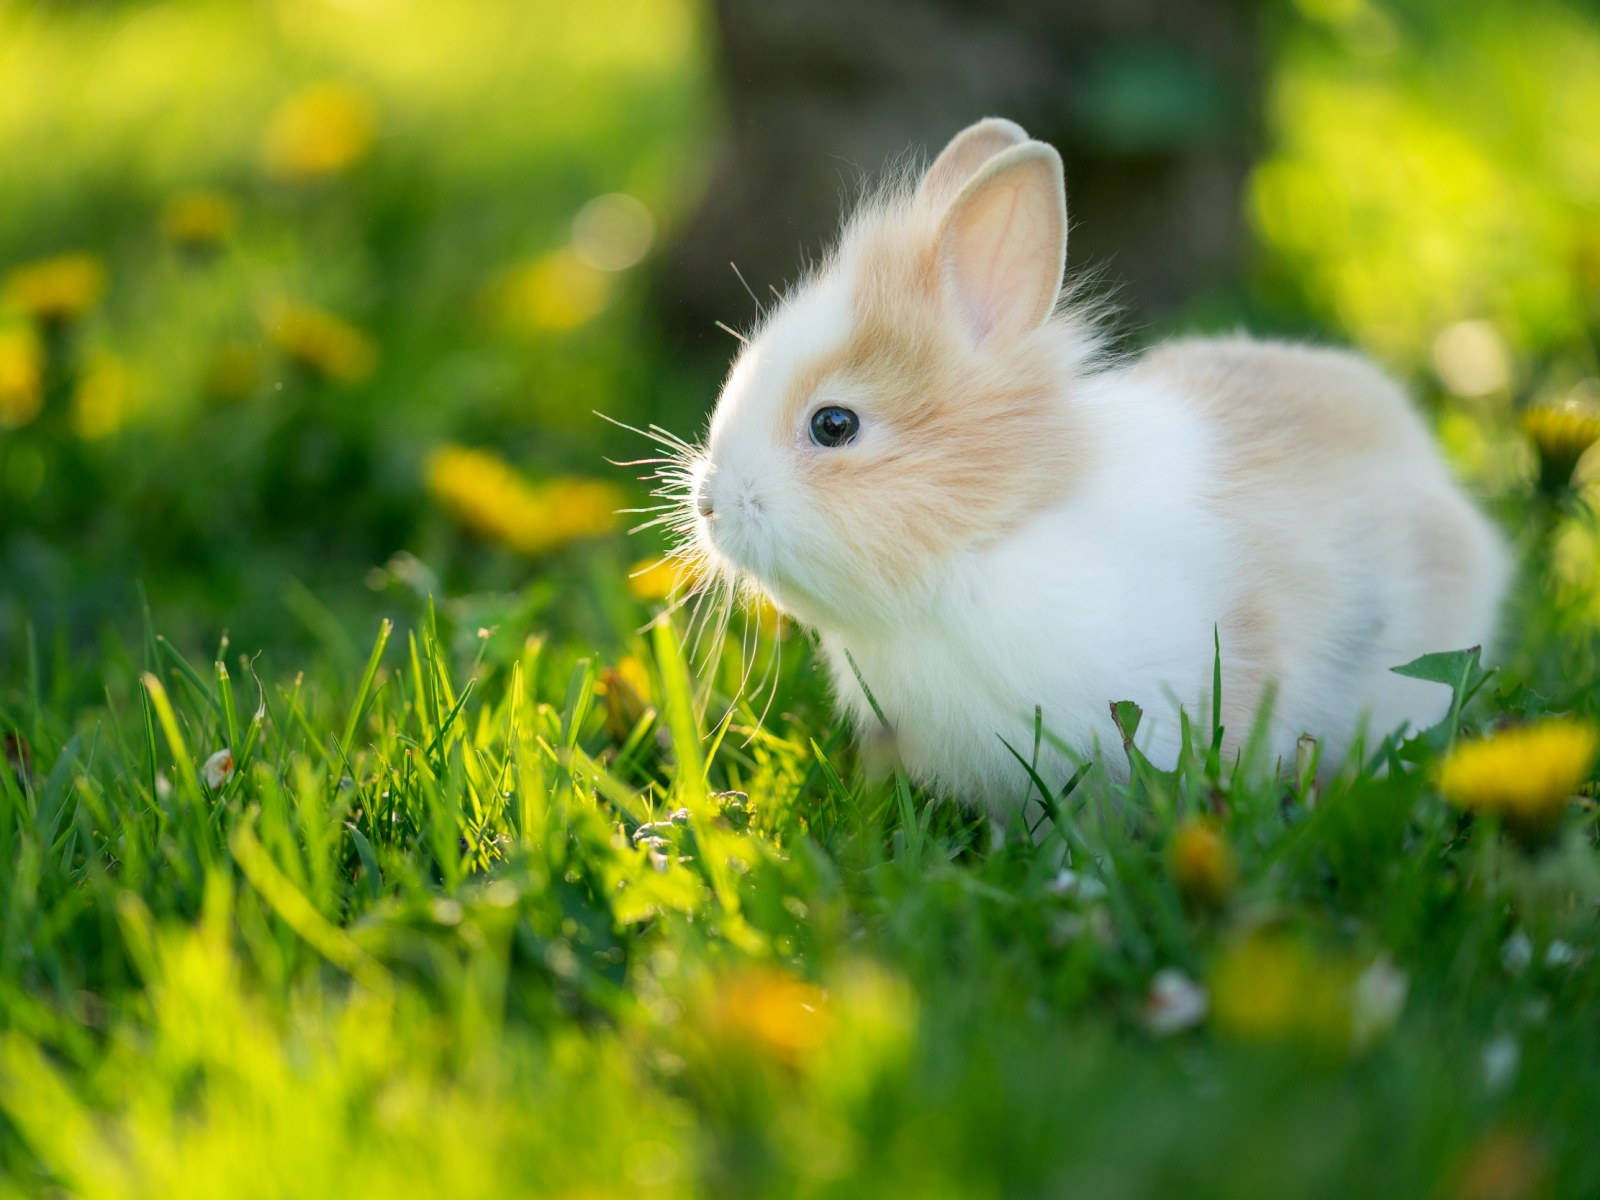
(967, 151)
(1003, 243)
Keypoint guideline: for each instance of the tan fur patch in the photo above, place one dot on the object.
(980, 439)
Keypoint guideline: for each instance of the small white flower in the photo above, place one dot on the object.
(1517, 953)
(1380, 997)
(1559, 954)
(1077, 886)
(217, 769)
(1500, 1060)
(163, 786)
(1175, 1003)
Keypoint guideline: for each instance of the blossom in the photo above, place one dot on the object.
(557, 291)
(656, 579)
(217, 769)
(102, 398)
(323, 343)
(1524, 775)
(625, 689)
(1273, 986)
(58, 289)
(233, 371)
(490, 497)
(1562, 431)
(319, 131)
(1202, 862)
(21, 377)
(198, 219)
(770, 1012)
(1174, 1003)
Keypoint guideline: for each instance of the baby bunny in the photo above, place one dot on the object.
(919, 456)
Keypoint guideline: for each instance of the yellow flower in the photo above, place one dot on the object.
(323, 343)
(656, 579)
(233, 372)
(770, 1012)
(625, 689)
(555, 292)
(1562, 431)
(1508, 1163)
(487, 495)
(56, 289)
(1202, 862)
(1273, 987)
(320, 130)
(198, 220)
(21, 377)
(1523, 775)
(101, 400)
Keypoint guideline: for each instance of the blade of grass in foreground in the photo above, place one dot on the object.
(364, 691)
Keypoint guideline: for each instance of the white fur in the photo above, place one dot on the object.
(1114, 592)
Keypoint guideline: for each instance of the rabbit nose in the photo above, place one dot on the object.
(702, 499)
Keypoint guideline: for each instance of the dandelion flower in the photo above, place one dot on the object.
(233, 372)
(198, 220)
(319, 131)
(1202, 862)
(1524, 775)
(1507, 1163)
(101, 401)
(490, 497)
(770, 1012)
(558, 291)
(21, 377)
(1562, 431)
(1276, 987)
(323, 343)
(659, 578)
(625, 689)
(56, 290)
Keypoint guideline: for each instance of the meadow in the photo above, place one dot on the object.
(368, 825)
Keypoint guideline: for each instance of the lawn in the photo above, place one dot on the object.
(366, 828)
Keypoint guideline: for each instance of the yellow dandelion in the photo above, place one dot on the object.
(1202, 862)
(233, 371)
(1562, 431)
(319, 131)
(625, 689)
(1274, 987)
(490, 497)
(656, 579)
(1524, 775)
(323, 343)
(769, 1012)
(1508, 1163)
(555, 292)
(101, 401)
(21, 377)
(199, 219)
(56, 289)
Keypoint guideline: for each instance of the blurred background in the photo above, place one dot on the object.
(305, 304)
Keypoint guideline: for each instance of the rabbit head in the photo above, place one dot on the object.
(904, 401)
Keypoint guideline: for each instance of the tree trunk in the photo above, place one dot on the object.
(1150, 103)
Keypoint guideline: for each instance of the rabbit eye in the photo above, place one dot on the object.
(834, 426)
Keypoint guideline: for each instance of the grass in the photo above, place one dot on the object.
(471, 920)
(486, 895)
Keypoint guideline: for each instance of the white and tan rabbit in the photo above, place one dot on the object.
(918, 456)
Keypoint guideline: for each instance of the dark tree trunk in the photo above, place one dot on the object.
(1151, 104)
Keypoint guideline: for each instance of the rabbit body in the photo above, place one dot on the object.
(1284, 499)
(919, 457)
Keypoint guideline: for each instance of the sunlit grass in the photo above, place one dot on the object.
(515, 892)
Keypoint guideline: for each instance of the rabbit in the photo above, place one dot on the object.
(923, 455)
